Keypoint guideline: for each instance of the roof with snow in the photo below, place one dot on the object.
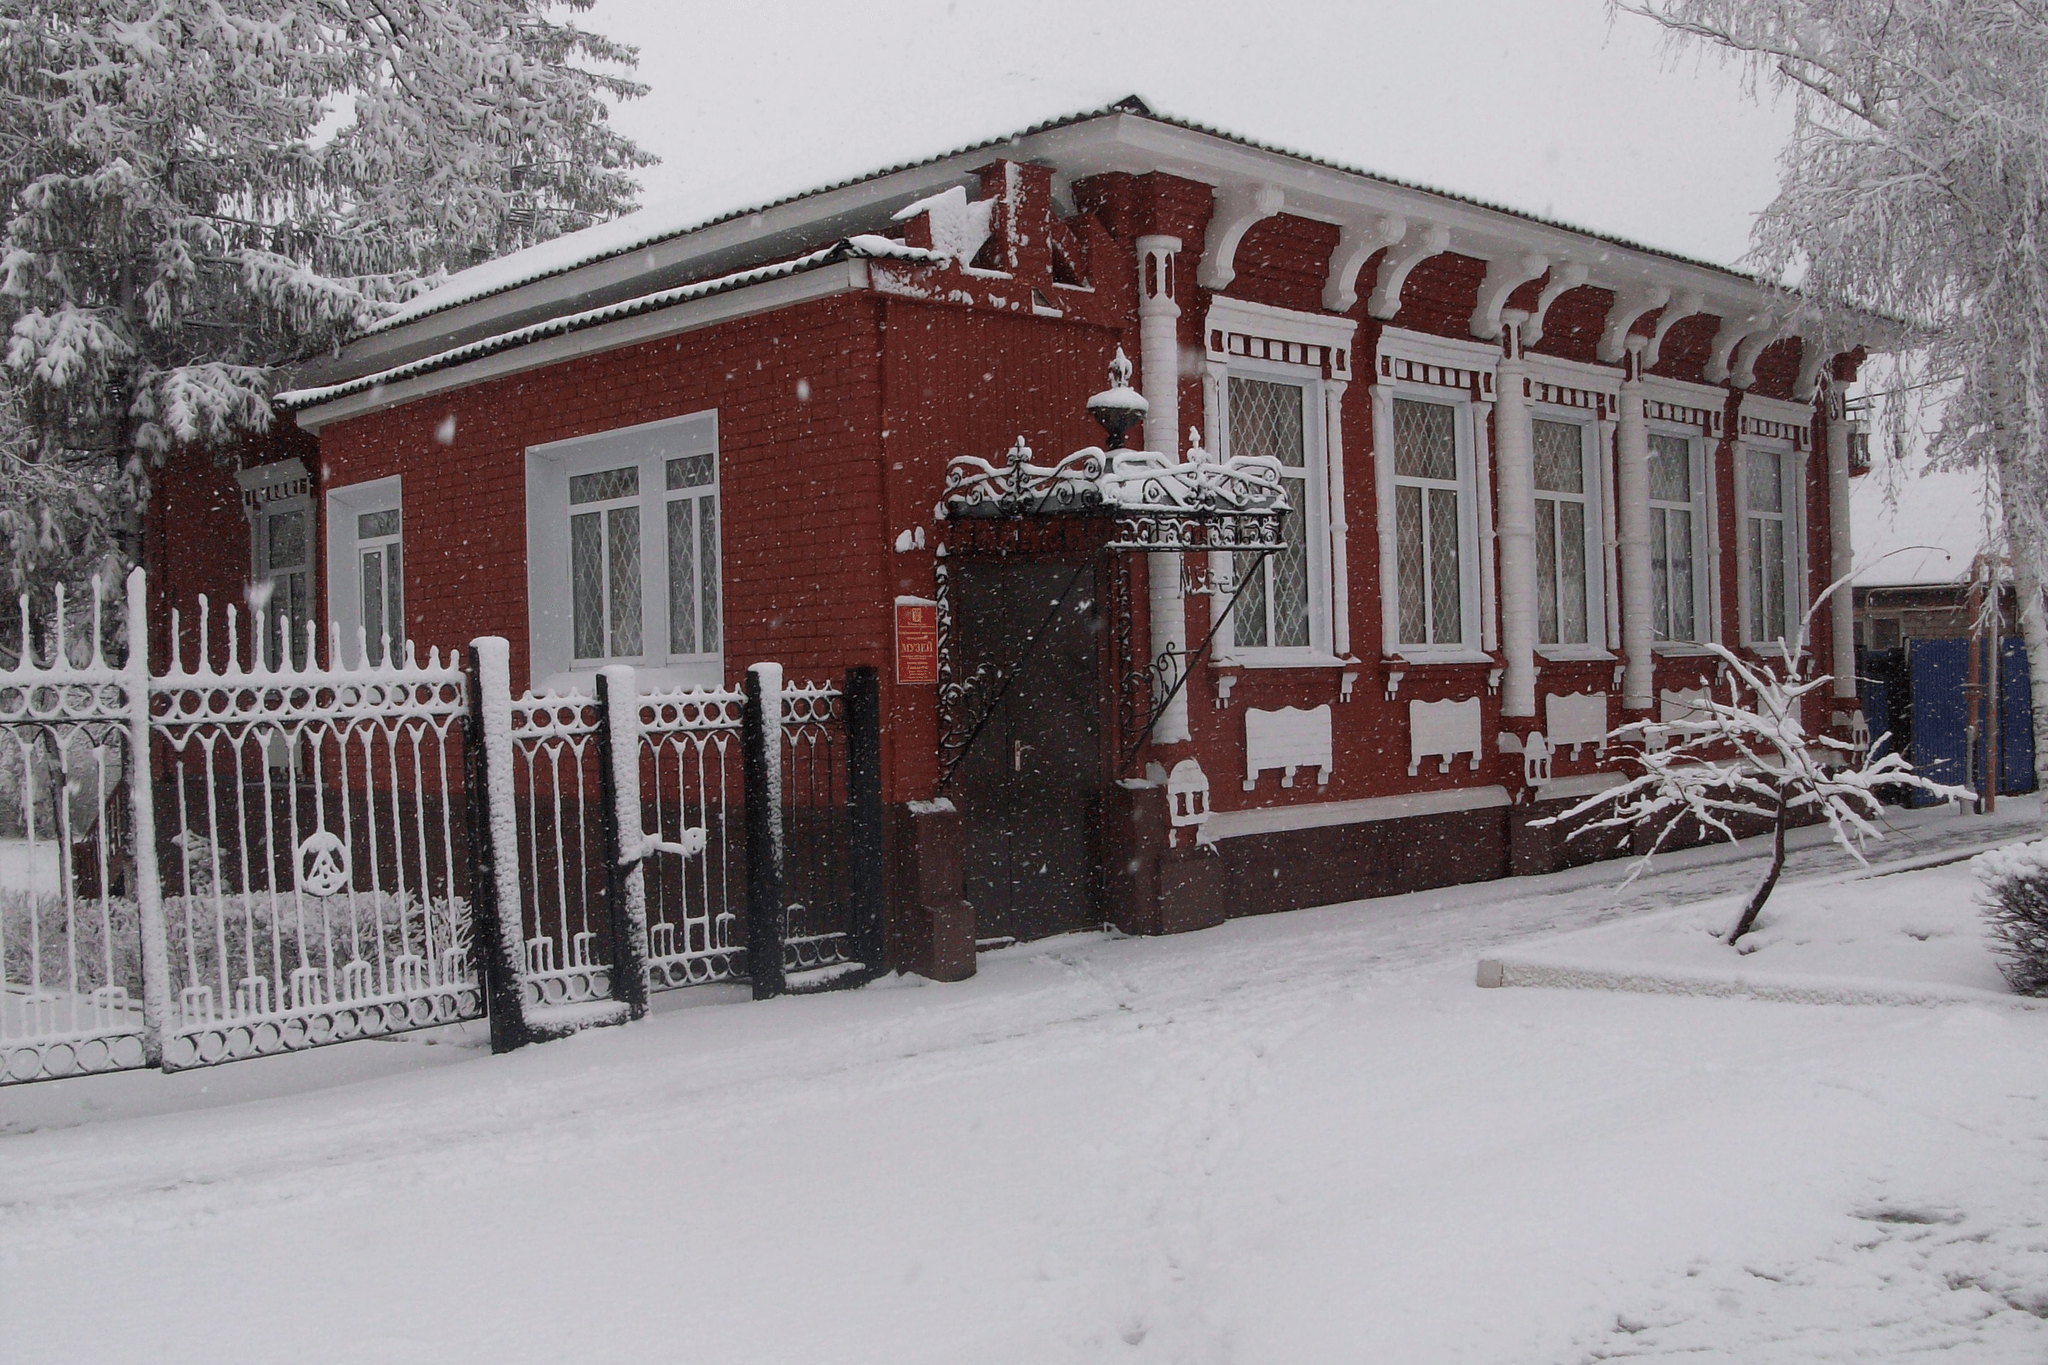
(658, 223)
(1916, 527)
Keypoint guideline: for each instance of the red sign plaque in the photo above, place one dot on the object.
(917, 640)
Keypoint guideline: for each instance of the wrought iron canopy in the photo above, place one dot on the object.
(1152, 501)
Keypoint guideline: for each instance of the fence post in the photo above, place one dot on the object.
(761, 761)
(149, 907)
(497, 925)
(622, 823)
(864, 811)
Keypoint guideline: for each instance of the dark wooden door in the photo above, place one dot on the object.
(1028, 788)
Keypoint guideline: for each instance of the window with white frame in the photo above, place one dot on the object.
(277, 498)
(382, 579)
(366, 570)
(1567, 577)
(1676, 522)
(1769, 542)
(1430, 509)
(623, 553)
(1284, 594)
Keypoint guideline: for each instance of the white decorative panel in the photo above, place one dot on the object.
(1287, 739)
(1683, 710)
(1187, 795)
(1575, 719)
(1442, 730)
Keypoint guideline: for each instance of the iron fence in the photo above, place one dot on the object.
(218, 862)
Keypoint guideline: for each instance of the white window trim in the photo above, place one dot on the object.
(1591, 431)
(1792, 483)
(1706, 568)
(648, 446)
(1465, 433)
(1316, 443)
(344, 575)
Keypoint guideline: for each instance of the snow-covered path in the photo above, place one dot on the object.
(1301, 1137)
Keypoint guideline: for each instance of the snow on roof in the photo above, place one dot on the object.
(679, 217)
(864, 246)
(1916, 527)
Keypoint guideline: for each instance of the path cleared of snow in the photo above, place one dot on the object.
(1301, 1137)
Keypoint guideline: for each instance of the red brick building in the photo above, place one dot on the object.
(1530, 470)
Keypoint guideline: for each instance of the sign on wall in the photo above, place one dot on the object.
(917, 640)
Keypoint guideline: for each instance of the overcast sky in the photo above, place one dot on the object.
(1536, 104)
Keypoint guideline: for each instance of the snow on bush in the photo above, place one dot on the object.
(2015, 902)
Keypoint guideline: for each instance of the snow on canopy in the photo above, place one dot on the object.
(1926, 535)
(685, 214)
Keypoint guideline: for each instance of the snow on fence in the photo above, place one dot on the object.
(217, 862)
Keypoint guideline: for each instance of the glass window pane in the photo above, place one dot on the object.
(707, 569)
(690, 471)
(1248, 621)
(586, 584)
(1266, 419)
(605, 485)
(373, 605)
(394, 598)
(1660, 573)
(682, 576)
(287, 539)
(1425, 441)
(1290, 583)
(1546, 571)
(1755, 536)
(370, 525)
(622, 565)
(1446, 599)
(1670, 468)
(1560, 457)
(1572, 625)
(1774, 579)
(1413, 576)
(1763, 491)
(1679, 540)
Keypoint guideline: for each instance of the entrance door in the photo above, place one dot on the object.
(1027, 788)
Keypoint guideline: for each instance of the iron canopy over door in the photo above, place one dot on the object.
(1029, 784)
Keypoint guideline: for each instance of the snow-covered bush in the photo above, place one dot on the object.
(2015, 901)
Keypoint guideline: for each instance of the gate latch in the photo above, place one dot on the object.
(691, 844)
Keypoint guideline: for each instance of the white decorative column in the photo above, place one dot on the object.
(1514, 455)
(1841, 547)
(1632, 493)
(1222, 563)
(1383, 500)
(1340, 563)
(1489, 591)
(1159, 381)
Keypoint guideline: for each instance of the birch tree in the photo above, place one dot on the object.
(1915, 185)
(198, 192)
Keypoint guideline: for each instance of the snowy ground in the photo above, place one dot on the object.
(1300, 1138)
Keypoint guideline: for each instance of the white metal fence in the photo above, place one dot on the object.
(219, 861)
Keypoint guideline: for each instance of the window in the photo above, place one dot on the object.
(693, 554)
(1277, 606)
(604, 563)
(366, 571)
(383, 585)
(1428, 523)
(1768, 545)
(623, 554)
(1564, 587)
(277, 498)
(1675, 612)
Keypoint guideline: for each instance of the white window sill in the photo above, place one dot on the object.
(1568, 654)
(1302, 659)
(1681, 649)
(1457, 656)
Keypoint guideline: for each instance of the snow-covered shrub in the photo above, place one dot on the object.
(2015, 901)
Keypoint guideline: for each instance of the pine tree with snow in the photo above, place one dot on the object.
(197, 192)
(1749, 758)
(1915, 185)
